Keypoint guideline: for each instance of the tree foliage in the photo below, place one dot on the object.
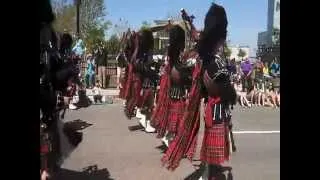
(65, 14)
(92, 23)
(227, 51)
(145, 25)
(94, 39)
(113, 44)
(92, 14)
(242, 53)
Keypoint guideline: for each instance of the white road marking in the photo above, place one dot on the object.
(256, 132)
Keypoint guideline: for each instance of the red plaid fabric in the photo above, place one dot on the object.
(147, 102)
(215, 145)
(134, 97)
(161, 109)
(175, 115)
(146, 98)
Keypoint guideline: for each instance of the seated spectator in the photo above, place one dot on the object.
(273, 97)
(274, 68)
(253, 96)
(258, 78)
(97, 92)
(243, 101)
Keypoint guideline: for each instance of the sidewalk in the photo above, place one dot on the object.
(105, 92)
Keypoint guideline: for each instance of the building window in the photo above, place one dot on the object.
(278, 7)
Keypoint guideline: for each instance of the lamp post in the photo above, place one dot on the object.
(78, 2)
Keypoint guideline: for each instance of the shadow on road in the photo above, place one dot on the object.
(135, 128)
(77, 125)
(71, 129)
(88, 173)
(70, 137)
(219, 172)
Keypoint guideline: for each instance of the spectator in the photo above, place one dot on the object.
(266, 72)
(274, 68)
(97, 92)
(90, 72)
(271, 99)
(102, 63)
(246, 70)
(232, 66)
(243, 101)
(254, 96)
(258, 78)
(66, 43)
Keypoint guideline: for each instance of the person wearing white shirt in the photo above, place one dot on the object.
(97, 92)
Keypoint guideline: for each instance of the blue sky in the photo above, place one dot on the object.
(246, 17)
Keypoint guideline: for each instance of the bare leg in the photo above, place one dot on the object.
(278, 100)
(241, 101)
(260, 99)
(273, 100)
(263, 97)
(246, 101)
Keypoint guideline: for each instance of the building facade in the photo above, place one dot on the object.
(235, 51)
(269, 41)
(161, 38)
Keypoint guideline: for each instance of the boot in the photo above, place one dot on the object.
(143, 121)
(165, 140)
(149, 128)
(205, 174)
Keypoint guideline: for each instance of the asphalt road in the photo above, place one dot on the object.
(124, 155)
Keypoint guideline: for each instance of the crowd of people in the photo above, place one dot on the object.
(256, 83)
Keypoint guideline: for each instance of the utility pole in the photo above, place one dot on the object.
(78, 2)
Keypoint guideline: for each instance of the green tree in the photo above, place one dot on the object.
(145, 25)
(92, 13)
(227, 51)
(65, 16)
(242, 53)
(95, 36)
(113, 44)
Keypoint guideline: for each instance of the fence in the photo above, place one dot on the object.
(111, 71)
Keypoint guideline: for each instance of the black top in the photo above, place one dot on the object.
(102, 59)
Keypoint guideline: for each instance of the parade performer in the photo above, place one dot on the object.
(122, 60)
(133, 82)
(169, 110)
(148, 70)
(139, 67)
(211, 81)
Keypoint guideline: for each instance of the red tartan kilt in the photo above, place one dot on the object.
(215, 144)
(134, 98)
(147, 98)
(123, 81)
(175, 115)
